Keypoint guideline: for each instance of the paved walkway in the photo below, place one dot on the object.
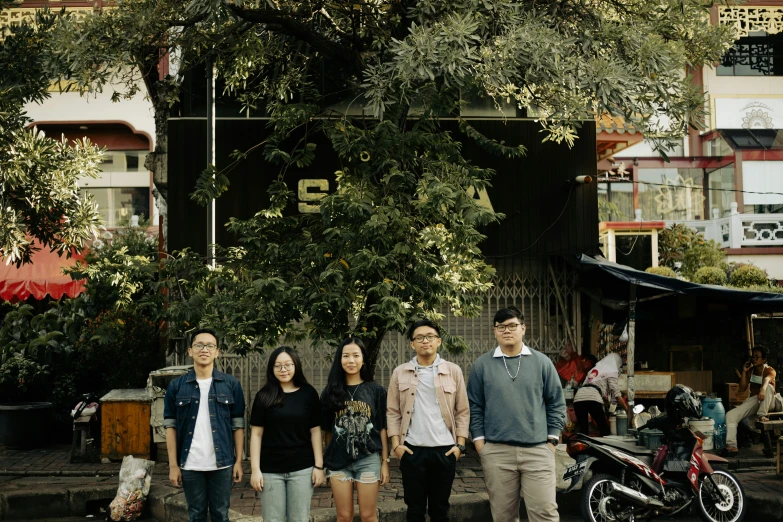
(44, 481)
(55, 462)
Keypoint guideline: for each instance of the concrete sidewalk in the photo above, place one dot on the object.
(37, 484)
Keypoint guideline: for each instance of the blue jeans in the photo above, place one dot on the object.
(286, 496)
(208, 490)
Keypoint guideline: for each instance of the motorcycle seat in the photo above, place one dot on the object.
(627, 447)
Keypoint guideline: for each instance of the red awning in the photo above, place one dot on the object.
(44, 276)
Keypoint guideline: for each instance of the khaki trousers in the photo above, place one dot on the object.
(511, 472)
(752, 407)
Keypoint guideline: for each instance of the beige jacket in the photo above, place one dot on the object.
(449, 383)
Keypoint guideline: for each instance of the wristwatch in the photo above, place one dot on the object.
(462, 449)
(552, 441)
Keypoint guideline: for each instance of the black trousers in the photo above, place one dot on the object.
(596, 410)
(427, 476)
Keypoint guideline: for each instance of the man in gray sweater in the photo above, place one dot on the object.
(517, 411)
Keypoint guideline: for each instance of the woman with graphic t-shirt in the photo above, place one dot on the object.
(286, 421)
(355, 421)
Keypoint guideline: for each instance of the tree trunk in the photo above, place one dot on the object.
(373, 350)
(157, 163)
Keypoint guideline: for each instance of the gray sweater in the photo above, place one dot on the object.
(522, 412)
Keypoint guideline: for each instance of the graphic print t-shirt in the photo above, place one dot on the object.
(356, 428)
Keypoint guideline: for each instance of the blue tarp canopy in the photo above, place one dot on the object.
(606, 275)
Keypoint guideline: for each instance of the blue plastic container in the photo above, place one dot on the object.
(713, 408)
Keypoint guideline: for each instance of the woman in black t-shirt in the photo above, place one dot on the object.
(286, 418)
(355, 421)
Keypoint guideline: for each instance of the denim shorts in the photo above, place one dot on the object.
(365, 470)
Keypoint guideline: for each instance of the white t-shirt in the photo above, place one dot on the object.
(427, 427)
(201, 456)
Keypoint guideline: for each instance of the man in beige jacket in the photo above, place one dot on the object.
(427, 418)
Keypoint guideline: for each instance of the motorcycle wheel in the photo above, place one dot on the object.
(595, 503)
(730, 510)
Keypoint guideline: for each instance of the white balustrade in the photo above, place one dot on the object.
(739, 230)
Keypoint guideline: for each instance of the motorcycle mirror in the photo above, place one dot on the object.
(638, 408)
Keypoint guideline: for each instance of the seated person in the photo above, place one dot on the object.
(761, 379)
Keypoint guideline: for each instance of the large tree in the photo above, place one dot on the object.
(39, 200)
(398, 237)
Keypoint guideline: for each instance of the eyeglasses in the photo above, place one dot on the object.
(201, 346)
(507, 327)
(421, 338)
(287, 366)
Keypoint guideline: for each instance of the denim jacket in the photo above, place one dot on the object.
(226, 411)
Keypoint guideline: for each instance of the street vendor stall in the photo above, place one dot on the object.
(699, 332)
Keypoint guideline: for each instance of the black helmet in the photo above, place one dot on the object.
(682, 402)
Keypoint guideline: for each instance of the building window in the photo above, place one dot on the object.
(717, 148)
(124, 161)
(615, 201)
(122, 189)
(119, 204)
(671, 194)
(758, 54)
(721, 194)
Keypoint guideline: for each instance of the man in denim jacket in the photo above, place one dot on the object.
(204, 415)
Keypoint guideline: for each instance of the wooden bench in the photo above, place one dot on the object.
(775, 422)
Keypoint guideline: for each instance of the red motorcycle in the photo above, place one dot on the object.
(680, 476)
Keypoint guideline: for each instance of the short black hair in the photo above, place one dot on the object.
(419, 324)
(504, 314)
(209, 331)
(763, 349)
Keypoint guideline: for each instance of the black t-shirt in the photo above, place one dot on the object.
(286, 445)
(356, 428)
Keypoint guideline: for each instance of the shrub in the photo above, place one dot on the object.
(662, 271)
(710, 275)
(748, 275)
(772, 289)
(674, 242)
(118, 350)
(31, 347)
(701, 255)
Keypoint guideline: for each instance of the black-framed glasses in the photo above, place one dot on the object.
(507, 327)
(430, 338)
(201, 346)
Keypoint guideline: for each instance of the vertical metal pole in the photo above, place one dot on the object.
(631, 344)
(211, 73)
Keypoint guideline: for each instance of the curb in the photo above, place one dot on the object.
(167, 504)
(17, 473)
(37, 503)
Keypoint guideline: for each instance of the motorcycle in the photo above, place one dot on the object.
(625, 488)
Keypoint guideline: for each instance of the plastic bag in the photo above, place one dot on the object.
(576, 367)
(135, 479)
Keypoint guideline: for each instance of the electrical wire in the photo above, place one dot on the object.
(605, 180)
(635, 239)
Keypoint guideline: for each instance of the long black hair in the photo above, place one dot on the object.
(335, 393)
(271, 394)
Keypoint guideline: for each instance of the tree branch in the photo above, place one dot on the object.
(285, 23)
(188, 22)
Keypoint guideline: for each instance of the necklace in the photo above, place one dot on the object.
(356, 389)
(519, 366)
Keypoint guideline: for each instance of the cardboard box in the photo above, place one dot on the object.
(732, 392)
